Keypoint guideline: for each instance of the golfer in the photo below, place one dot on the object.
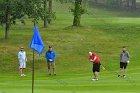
(22, 61)
(124, 60)
(96, 64)
(50, 57)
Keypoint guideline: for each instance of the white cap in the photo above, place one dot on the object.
(90, 53)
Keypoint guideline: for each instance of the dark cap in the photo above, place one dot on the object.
(50, 46)
(124, 46)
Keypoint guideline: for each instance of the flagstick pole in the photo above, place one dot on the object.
(33, 73)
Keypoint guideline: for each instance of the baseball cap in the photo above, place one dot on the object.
(21, 48)
(50, 46)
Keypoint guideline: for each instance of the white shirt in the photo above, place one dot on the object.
(22, 56)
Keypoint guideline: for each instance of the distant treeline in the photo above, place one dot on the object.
(119, 4)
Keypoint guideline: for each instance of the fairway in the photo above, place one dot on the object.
(72, 83)
(102, 30)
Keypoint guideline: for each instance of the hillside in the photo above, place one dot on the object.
(101, 33)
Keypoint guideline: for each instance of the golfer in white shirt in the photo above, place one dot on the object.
(22, 61)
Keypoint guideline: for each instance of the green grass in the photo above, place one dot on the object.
(103, 30)
(71, 84)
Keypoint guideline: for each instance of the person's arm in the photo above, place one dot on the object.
(92, 60)
(25, 57)
(54, 56)
(46, 55)
(120, 56)
(128, 55)
(18, 56)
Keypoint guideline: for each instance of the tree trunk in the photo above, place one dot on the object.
(50, 11)
(119, 3)
(133, 7)
(127, 3)
(77, 13)
(7, 14)
(45, 15)
(96, 1)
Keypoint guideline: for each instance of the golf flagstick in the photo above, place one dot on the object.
(33, 73)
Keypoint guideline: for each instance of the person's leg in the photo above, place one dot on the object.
(120, 70)
(21, 71)
(125, 70)
(119, 73)
(93, 77)
(53, 66)
(93, 69)
(96, 75)
(96, 69)
(49, 66)
(21, 68)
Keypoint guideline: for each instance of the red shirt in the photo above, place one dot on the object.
(97, 60)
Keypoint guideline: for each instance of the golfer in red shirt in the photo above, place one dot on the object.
(96, 64)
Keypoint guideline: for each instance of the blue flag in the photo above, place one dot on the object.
(37, 43)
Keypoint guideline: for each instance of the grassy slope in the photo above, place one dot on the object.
(104, 31)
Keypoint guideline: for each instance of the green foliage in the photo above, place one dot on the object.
(65, 1)
(19, 8)
(51, 15)
(78, 10)
(82, 10)
(2, 17)
(14, 11)
(46, 13)
(33, 8)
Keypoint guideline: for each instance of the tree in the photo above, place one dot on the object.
(7, 18)
(133, 7)
(122, 4)
(49, 15)
(34, 9)
(5, 15)
(45, 13)
(77, 11)
(39, 9)
(10, 10)
(8, 14)
(129, 4)
(50, 11)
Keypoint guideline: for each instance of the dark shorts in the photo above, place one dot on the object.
(96, 67)
(123, 65)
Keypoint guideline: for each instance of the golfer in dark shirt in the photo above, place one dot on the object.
(124, 60)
